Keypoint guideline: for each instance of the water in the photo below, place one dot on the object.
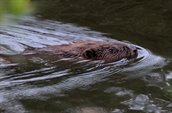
(69, 86)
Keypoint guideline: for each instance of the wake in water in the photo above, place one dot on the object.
(35, 78)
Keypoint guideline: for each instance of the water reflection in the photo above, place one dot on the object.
(142, 22)
(61, 86)
(33, 83)
(90, 110)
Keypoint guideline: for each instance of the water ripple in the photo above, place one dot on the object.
(37, 78)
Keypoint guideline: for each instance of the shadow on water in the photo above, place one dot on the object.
(70, 86)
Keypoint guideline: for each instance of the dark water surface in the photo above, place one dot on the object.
(70, 86)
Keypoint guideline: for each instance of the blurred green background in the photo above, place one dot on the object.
(14, 7)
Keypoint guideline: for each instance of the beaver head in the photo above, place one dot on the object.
(111, 51)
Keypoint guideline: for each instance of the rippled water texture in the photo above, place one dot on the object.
(69, 86)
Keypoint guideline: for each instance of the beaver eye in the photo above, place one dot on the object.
(89, 54)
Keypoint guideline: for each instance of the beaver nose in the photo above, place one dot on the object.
(135, 52)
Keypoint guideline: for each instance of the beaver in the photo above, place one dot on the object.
(89, 49)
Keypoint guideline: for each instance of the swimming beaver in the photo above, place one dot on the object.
(89, 49)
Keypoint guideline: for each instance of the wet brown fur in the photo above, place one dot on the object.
(89, 49)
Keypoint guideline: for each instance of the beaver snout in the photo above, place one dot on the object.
(134, 52)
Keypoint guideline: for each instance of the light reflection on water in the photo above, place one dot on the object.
(43, 80)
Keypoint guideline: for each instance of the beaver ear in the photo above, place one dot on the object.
(89, 54)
